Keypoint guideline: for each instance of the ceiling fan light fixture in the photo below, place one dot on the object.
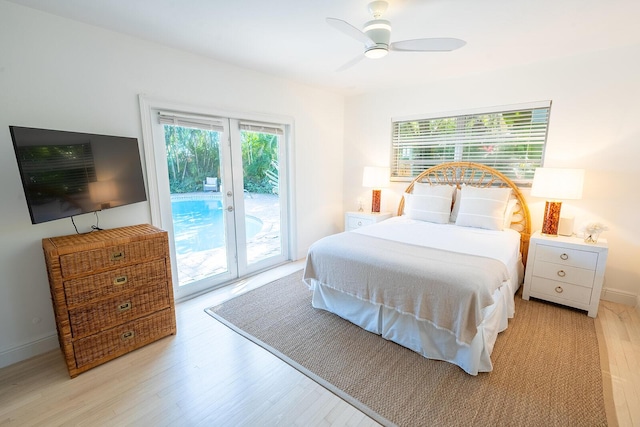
(376, 52)
(379, 31)
(377, 24)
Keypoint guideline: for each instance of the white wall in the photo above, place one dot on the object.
(60, 74)
(594, 125)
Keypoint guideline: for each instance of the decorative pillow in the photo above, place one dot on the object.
(432, 207)
(483, 207)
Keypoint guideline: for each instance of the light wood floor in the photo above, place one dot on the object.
(209, 375)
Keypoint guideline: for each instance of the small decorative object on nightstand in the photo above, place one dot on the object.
(566, 270)
(592, 231)
(353, 220)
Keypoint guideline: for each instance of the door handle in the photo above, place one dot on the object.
(230, 208)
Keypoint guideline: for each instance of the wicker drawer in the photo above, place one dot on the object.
(102, 285)
(558, 291)
(122, 339)
(566, 256)
(92, 318)
(90, 261)
(564, 273)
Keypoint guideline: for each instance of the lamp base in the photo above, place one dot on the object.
(375, 200)
(551, 218)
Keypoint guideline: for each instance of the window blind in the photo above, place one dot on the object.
(262, 128)
(510, 139)
(190, 121)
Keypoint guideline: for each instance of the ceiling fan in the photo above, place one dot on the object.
(376, 36)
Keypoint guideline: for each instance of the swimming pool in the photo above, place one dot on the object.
(198, 224)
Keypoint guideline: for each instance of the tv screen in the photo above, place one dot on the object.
(71, 173)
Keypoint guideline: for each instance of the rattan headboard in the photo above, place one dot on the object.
(477, 175)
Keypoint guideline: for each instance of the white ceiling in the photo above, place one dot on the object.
(290, 38)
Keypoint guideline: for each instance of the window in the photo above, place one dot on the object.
(510, 139)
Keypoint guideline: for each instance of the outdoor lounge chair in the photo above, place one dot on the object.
(210, 184)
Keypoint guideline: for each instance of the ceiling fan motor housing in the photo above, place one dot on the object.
(379, 31)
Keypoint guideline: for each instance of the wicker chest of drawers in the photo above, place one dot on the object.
(112, 292)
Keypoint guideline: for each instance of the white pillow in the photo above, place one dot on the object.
(424, 189)
(483, 207)
(432, 207)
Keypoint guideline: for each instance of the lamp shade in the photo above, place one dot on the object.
(375, 177)
(558, 183)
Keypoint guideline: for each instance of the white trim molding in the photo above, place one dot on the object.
(29, 350)
(620, 297)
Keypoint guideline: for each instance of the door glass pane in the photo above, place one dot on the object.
(194, 166)
(261, 175)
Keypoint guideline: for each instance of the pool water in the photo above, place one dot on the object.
(198, 225)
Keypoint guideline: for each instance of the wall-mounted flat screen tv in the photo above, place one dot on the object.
(70, 173)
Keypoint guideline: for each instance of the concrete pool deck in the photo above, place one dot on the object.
(197, 265)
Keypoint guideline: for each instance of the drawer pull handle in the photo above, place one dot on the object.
(359, 223)
(117, 256)
(564, 257)
(127, 335)
(124, 306)
(559, 289)
(120, 280)
(561, 273)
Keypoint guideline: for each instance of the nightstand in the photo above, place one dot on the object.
(353, 220)
(565, 270)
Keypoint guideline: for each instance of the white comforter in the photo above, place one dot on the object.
(501, 245)
(377, 274)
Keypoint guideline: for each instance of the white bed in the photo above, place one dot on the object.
(440, 289)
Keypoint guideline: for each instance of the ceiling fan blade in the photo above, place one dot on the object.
(444, 44)
(351, 31)
(350, 64)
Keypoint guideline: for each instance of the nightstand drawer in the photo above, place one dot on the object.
(560, 290)
(564, 273)
(357, 222)
(566, 256)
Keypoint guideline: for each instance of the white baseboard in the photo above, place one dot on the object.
(620, 297)
(29, 350)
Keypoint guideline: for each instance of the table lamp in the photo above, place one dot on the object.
(556, 184)
(376, 178)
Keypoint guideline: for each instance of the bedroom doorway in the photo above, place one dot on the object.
(221, 197)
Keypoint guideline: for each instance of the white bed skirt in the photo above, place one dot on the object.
(419, 335)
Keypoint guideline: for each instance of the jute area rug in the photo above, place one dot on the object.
(546, 364)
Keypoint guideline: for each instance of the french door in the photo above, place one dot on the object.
(221, 195)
